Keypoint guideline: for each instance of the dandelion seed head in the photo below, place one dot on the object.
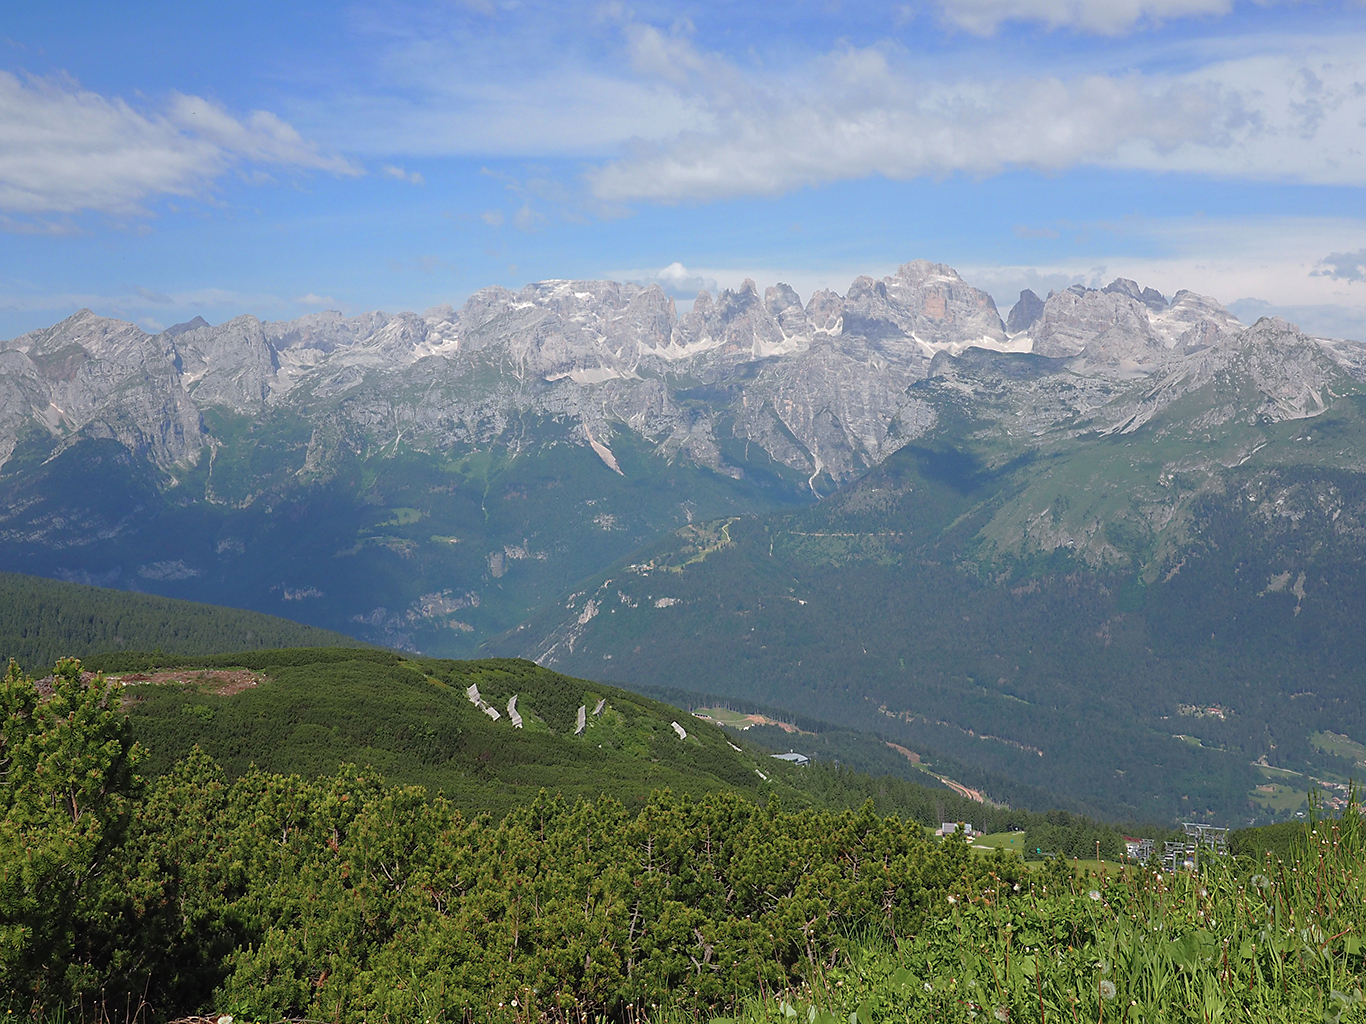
(1094, 894)
(1001, 1013)
(1107, 989)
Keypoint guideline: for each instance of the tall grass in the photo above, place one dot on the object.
(1236, 940)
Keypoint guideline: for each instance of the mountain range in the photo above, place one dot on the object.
(560, 470)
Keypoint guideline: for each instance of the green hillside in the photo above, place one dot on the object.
(42, 620)
(307, 712)
(310, 711)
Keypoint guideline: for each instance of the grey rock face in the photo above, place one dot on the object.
(1106, 325)
(822, 387)
(1027, 309)
(1150, 297)
(923, 308)
(1127, 330)
(90, 376)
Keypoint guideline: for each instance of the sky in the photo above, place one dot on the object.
(160, 161)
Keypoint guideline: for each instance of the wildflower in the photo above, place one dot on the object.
(1001, 1013)
(1094, 894)
(514, 1002)
(1107, 988)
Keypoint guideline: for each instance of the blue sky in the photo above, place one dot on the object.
(160, 161)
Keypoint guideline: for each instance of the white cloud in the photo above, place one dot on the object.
(1254, 265)
(412, 177)
(64, 149)
(683, 283)
(667, 119)
(439, 105)
(1325, 321)
(676, 280)
(24, 226)
(314, 299)
(528, 218)
(1296, 111)
(1108, 17)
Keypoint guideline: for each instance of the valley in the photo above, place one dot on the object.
(1015, 546)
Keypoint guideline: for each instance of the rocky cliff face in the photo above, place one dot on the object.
(94, 377)
(820, 387)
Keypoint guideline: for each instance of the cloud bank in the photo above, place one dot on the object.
(64, 149)
(1107, 17)
(1298, 115)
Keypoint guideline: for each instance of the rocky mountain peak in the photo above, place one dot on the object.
(822, 388)
(175, 330)
(922, 308)
(1150, 297)
(825, 310)
(781, 297)
(1114, 324)
(1027, 309)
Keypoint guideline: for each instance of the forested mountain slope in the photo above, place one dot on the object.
(42, 620)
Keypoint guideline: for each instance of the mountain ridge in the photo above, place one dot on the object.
(1127, 481)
